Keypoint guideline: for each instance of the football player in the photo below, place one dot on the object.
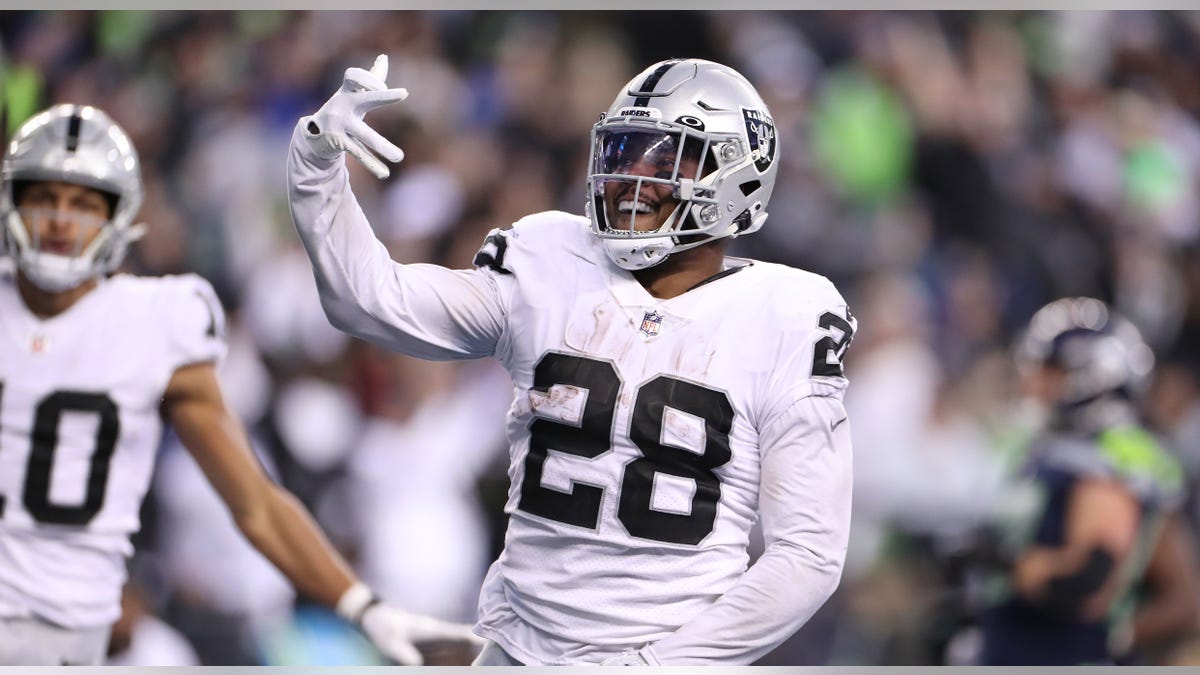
(667, 395)
(1104, 490)
(91, 363)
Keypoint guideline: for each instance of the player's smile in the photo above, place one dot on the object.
(631, 205)
(641, 211)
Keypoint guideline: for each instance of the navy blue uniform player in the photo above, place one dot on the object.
(1102, 486)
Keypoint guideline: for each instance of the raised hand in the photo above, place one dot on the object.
(339, 127)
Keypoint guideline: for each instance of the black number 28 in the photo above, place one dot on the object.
(593, 437)
(828, 352)
(44, 444)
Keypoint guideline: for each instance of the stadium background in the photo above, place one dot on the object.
(950, 171)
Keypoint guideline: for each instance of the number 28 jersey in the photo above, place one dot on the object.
(79, 428)
(636, 432)
(646, 435)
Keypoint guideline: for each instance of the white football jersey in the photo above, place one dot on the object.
(635, 431)
(79, 428)
(646, 435)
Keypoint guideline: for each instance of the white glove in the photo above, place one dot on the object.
(395, 632)
(339, 127)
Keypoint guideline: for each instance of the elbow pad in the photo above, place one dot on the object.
(1065, 594)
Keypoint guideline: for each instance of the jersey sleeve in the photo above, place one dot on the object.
(426, 311)
(195, 321)
(540, 248)
(814, 336)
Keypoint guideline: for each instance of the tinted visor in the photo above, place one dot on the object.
(652, 154)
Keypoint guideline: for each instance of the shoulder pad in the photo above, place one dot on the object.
(537, 239)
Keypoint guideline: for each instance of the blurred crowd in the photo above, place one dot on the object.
(951, 172)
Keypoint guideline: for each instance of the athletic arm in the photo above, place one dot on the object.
(1171, 611)
(270, 517)
(1082, 575)
(426, 311)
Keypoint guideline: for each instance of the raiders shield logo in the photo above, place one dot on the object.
(760, 129)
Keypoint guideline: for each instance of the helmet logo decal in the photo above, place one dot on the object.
(691, 121)
(760, 129)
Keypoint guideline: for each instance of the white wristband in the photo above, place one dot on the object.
(355, 601)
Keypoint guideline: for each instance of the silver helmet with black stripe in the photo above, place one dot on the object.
(80, 145)
(689, 142)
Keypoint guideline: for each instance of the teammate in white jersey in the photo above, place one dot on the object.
(91, 364)
(667, 396)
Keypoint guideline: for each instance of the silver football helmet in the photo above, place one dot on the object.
(688, 131)
(1101, 354)
(80, 145)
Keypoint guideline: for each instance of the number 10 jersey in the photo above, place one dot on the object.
(79, 428)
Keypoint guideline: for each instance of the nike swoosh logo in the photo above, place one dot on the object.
(833, 426)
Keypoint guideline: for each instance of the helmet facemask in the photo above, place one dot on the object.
(649, 185)
(57, 268)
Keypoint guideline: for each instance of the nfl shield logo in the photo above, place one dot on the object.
(651, 323)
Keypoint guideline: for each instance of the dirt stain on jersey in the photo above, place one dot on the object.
(596, 331)
(562, 402)
(693, 356)
(684, 430)
(625, 399)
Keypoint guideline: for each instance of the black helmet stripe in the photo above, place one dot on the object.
(652, 81)
(73, 125)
